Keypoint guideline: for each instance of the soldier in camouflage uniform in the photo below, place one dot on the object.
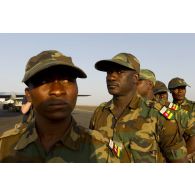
(184, 119)
(146, 84)
(129, 129)
(177, 87)
(160, 91)
(53, 135)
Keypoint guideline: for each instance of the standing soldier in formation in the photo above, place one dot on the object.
(185, 119)
(160, 91)
(147, 81)
(177, 87)
(127, 128)
(53, 135)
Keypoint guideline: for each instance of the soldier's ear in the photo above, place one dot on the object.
(136, 77)
(28, 95)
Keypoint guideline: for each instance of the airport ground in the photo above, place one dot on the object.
(81, 114)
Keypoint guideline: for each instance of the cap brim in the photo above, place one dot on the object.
(105, 65)
(160, 91)
(36, 69)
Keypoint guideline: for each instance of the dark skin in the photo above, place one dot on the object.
(178, 94)
(162, 96)
(121, 83)
(53, 93)
(145, 89)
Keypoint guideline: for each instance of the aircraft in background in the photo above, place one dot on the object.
(12, 101)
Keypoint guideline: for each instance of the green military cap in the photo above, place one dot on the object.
(122, 59)
(47, 59)
(146, 74)
(159, 87)
(177, 82)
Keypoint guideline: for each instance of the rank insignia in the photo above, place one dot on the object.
(167, 113)
(116, 150)
(173, 106)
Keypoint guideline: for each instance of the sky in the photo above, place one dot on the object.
(168, 55)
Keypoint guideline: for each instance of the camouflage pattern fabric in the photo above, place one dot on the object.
(122, 59)
(177, 82)
(146, 74)
(187, 105)
(159, 87)
(141, 134)
(22, 145)
(47, 59)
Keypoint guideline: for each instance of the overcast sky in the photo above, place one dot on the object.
(168, 55)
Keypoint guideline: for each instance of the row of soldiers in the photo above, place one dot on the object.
(137, 125)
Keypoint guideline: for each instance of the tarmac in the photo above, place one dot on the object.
(82, 114)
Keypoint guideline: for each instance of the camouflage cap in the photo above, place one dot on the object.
(159, 88)
(122, 59)
(177, 82)
(146, 74)
(47, 59)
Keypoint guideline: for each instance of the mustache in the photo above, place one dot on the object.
(113, 83)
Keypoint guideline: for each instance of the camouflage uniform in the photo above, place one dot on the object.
(22, 144)
(140, 134)
(160, 87)
(186, 104)
(146, 74)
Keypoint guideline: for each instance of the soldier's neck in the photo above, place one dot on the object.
(50, 132)
(122, 101)
(179, 102)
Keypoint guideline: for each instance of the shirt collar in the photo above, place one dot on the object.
(71, 139)
(133, 104)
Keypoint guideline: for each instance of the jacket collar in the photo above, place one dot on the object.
(71, 139)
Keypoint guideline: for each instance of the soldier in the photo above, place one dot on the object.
(160, 91)
(53, 135)
(129, 130)
(146, 84)
(177, 87)
(184, 119)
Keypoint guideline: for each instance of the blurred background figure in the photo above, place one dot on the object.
(26, 108)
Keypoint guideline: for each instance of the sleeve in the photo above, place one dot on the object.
(171, 140)
(93, 118)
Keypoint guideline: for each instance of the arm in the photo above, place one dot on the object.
(172, 142)
(26, 107)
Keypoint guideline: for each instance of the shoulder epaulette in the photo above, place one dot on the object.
(163, 110)
(11, 132)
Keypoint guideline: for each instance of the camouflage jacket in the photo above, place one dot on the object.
(184, 119)
(187, 105)
(22, 145)
(141, 134)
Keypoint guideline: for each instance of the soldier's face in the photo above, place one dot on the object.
(162, 96)
(53, 93)
(143, 87)
(120, 81)
(179, 93)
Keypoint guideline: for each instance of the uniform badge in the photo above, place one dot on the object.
(167, 113)
(116, 150)
(173, 106)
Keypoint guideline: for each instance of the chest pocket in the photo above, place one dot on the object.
(144, 150)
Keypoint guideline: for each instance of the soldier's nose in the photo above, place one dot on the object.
(57, 88)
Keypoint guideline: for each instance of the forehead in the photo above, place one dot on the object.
(180, 87)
